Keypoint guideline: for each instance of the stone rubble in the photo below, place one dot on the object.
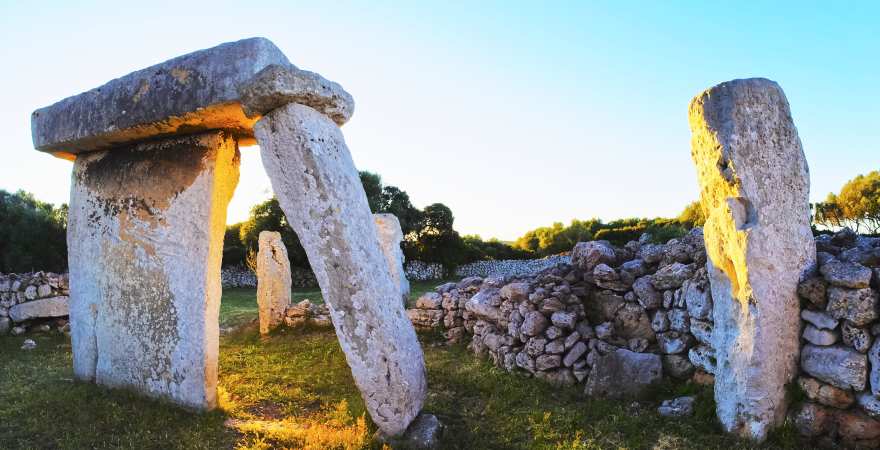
(306, 312)
(677, 407)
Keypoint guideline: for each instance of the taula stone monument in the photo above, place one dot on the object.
(754, 185)
(390, 237)
(273, 280)
(156, 162)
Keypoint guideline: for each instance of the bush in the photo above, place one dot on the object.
(856, 206)
(557, 238)
(33, 234)
(266, 216)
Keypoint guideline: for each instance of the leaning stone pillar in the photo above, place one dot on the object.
(145, 242)
(390, 236)
(273, 281)
(755, 186)
(318, 187)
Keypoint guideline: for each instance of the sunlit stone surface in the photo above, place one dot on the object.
(273, 280)
(318, 187)
(145, 238)
(754, 185)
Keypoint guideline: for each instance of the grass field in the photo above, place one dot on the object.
(294, 390)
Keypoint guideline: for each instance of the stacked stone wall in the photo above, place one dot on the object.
(840, 349)
(509, 267)
(614, 319)
(241, 277)
(33, 301)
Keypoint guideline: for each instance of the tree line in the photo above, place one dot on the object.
(33, 233)
(429, 233)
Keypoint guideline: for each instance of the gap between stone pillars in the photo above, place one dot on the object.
(318, 187)
(145, 243)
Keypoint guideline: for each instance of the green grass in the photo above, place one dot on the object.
(293, 389)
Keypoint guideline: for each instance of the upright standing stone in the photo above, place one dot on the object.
(273, 280)
(318, 187)
(145, 239)
(390, 236)
(754, 185)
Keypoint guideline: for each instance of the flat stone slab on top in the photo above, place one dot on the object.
(195, 92)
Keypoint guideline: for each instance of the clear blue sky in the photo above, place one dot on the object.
(515, 115)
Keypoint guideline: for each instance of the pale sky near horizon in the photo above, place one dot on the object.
(515, 115)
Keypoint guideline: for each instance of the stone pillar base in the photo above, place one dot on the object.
(145, 239)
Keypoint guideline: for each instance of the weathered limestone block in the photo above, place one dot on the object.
(318, 187)
(623, 373)
(145, 237)
(37, 309)
(277, 85)
(273, 280)
(194, 92)
(754, 187)
(390, 236)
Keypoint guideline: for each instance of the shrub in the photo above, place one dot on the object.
(33, 234)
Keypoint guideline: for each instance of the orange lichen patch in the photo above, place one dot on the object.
(142, 90)
(224, 116)
(64, 155)
(181, 75)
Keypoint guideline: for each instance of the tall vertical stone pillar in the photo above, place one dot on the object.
(318, 187)
(754, 185)
(273, 280)
(145, 242)
(390, 236)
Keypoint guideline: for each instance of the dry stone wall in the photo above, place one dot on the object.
(645, 311)
(840, 351)
(34, 301)
(242, 277)
(509, 267)
(615, 320)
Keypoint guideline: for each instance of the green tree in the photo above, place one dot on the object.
(396, 201)
(857, 205)
(32, 234)
(693, 215)
(436, 240)
(373, 188)
(234, 252)
(268, 216)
